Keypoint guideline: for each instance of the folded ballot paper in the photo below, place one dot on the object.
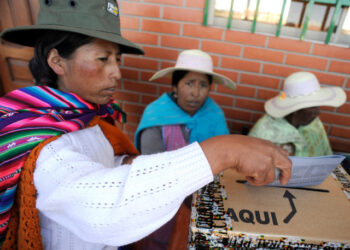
(310, 171)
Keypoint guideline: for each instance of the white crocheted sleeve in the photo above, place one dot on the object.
(83, 187)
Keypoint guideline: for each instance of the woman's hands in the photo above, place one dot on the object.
(255, 158)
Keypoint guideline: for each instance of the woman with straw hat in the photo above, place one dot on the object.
(187, 114)
(292, 117)
(69, 178)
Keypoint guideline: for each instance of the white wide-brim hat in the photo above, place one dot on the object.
(302, 90)
(197, 61)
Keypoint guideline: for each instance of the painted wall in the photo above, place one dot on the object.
(257, 63)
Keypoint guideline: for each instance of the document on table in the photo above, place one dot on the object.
(310, 171)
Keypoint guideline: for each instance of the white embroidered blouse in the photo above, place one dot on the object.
(88, 200)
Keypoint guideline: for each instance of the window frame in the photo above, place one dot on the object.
(341, 8)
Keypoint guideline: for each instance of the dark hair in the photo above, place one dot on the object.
(64, 42)
(179, 74)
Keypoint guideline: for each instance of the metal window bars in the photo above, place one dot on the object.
(337, 3)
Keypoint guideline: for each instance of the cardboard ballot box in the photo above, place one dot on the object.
(229, 214)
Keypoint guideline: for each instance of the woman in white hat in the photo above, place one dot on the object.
(292, 119)
(69, 178)
(185, 115)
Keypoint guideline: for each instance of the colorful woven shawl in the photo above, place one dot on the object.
(31, 115)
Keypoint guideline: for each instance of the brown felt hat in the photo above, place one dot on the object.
(95, 18)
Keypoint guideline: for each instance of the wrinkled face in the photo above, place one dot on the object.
(303, 117)
(192, 90)
(92, 72)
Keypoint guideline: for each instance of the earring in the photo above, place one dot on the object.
(175, 95)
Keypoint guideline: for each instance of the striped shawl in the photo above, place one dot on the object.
(31, 115)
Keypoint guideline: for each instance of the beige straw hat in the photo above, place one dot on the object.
(302, 90)
(197, 61)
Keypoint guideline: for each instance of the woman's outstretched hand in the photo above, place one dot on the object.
(255, 158)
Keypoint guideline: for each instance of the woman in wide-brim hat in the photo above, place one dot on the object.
(195, 61)
(292, 117)
(188, 105)
(185, 115)
(66, 162)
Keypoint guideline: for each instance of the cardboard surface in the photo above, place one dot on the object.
(229, 214)
(311, 215)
